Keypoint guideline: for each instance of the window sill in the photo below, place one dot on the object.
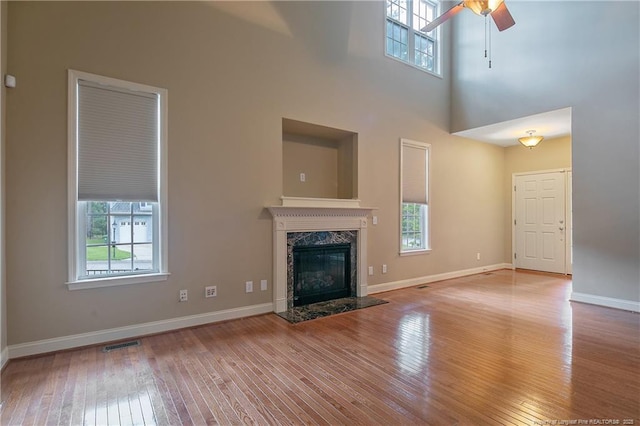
(414, 252)
(117, 281)
(414, 66)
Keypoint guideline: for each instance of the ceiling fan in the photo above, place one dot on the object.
(496, 8)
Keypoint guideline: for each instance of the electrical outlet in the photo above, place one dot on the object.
(303, 177)
(210, 291)
(370, 270)
(384, 269)
(249, 286)
(183, 296)
(478, 256)
(263, 285)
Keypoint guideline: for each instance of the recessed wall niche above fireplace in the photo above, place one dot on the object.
(318, 161)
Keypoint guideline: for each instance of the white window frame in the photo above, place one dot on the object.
(436, 35)
(426, 218)
(76, 209)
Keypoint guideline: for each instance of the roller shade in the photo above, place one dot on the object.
(415, 183)
(117, 143)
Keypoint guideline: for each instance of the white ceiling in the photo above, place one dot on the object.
(552, 124)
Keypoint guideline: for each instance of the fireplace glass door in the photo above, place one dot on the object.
(321, 273)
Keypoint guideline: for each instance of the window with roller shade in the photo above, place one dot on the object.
(117, 181)
(414, 195)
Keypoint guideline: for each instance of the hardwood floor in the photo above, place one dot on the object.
(501, 348)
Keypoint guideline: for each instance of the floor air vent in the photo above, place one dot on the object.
(121, 345)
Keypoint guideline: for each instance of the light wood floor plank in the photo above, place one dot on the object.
(503, 348)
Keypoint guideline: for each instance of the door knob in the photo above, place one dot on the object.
(561, 228)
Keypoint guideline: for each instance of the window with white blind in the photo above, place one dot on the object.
(414, 196)
(117, 182)
(404, 39)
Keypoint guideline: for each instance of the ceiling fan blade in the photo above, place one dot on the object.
(502, 17)
(445, 16)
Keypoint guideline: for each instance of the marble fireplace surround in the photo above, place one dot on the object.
(308, 218)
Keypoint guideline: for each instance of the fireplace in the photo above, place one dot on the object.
(325, 262)
(318, 223)
(321, 273)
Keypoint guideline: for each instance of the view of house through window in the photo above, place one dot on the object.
(119, 237)
(404, 40)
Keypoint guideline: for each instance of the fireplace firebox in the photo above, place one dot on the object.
(321, 272)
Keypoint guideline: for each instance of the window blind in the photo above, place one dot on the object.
(118, 143)
(415, 184)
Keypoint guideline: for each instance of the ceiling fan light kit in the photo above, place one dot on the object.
(530, 141)
(497, 9)
(483, 7)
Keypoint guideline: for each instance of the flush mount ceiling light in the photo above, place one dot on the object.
(530, 141)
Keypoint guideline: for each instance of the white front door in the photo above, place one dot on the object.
(540, 223)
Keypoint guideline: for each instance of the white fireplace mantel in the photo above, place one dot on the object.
(308, 218)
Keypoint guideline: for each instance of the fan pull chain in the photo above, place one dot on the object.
(485, 19)
(485, 36)
(487, 39)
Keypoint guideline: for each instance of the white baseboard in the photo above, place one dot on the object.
(395, 285)
(609, 302)
(4, 357)
(102, 336)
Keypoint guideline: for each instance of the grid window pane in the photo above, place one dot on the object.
(397, 40)
(404, 20)
(97, 230)
(396, 32)
(119, 239)
(143, 257)
(142, 231)
(397, 9)
(423, 54)
(423, 13)
(413, 226)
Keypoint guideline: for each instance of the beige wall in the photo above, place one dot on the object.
(348, 167)
(317, 159)
(550, 154)
(230, 82)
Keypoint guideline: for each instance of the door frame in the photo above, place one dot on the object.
(569, 223)
(568, 246)
(4, 353)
